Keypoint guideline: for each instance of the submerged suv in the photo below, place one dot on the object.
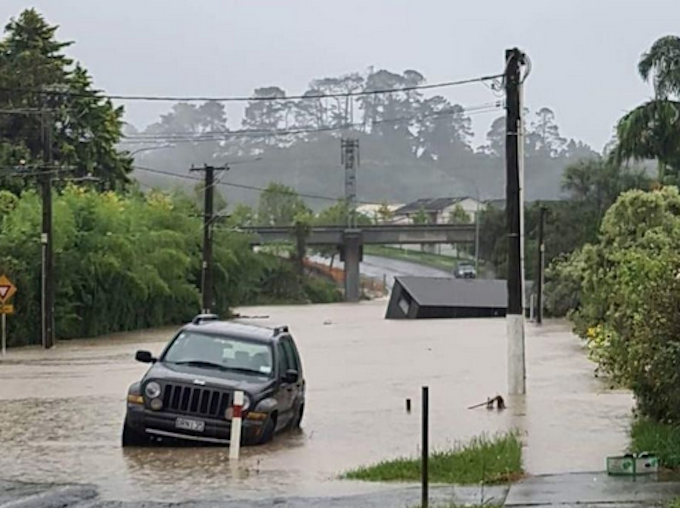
(188, 391)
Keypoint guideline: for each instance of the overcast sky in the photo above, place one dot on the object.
(584, 52)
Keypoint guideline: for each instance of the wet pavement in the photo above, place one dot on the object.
(564, 491)
(380, 268)
(63, 409)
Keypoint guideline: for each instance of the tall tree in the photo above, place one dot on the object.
(652, 130)
(544, 136)
(661, 65)
(443, 129)
(280, 205)
(37, 75)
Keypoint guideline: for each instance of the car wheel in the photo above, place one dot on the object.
(297, 419)
(268, 431)
(131, 437)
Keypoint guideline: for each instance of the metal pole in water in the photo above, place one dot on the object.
(235, 441)
(4, 334)
(426, 408)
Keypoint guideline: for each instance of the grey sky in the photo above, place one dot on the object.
(584, 52)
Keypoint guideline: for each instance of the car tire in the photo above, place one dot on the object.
(131, 437)
(297, 419)
(268, 431)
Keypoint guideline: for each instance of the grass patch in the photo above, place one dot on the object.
(674, 504)
(447, 263)
(659, 438)
(492, 460)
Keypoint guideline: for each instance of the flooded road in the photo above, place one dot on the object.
(62, 410)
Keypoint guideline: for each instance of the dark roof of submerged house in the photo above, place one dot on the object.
(451, 292)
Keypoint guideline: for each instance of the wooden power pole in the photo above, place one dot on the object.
(514, 59)
(208, 219)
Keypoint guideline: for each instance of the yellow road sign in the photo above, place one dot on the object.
(7, 289)
(7, 308)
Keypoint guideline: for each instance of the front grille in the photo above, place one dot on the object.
(193, 400)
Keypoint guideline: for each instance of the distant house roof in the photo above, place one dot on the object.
(496, 203)
(429, 205)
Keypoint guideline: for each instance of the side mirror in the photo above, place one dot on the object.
(291, 376)
(144, 357)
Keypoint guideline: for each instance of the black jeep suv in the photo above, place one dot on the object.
(188, 392)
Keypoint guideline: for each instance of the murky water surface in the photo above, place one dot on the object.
(62, 410)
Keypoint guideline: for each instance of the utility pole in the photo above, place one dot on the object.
(208, 218)
(350, 160)
(47, 286)
(477, 240)
(541, 265)
(514, 58)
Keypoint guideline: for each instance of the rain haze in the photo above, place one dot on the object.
(267, 253)
(584, 53)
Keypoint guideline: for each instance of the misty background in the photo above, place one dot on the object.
(443, 142)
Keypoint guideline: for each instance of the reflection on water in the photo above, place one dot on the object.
(63, 409)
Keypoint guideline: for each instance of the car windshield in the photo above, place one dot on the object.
(220, 352)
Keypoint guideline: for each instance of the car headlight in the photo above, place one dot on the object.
(153, 390)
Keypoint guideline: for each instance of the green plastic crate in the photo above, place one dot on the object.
(632, 465)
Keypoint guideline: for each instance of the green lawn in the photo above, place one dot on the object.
(488, 459)
(447, 263)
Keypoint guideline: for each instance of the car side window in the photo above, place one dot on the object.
(284, 365)
(293, 360)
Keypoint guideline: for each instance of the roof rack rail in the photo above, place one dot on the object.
(201, 318)
(278, 330)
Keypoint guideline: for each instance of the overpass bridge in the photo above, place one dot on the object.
(350, 241)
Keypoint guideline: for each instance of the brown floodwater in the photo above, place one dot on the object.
(62, 409)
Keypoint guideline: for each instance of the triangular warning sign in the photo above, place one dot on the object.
(7, 289)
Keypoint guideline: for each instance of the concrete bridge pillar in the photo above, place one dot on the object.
(351, 255)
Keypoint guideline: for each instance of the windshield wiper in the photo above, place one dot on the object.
(246, 371)
(201, 363)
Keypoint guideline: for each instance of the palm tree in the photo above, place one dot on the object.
(662, 64)
(652, 131)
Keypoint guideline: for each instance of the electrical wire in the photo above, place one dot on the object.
(164, 98)
(241, 186)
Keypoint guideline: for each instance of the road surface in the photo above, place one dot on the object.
(381, 268)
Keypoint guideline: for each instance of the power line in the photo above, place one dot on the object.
(262, 133)
(239, 185)
(308, 96)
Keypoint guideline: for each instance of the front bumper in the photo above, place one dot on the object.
(162, 424)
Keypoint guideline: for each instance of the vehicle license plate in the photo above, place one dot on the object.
(193, 425)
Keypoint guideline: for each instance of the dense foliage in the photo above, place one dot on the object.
(628, 287)
(592, 186)
(129, 262)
